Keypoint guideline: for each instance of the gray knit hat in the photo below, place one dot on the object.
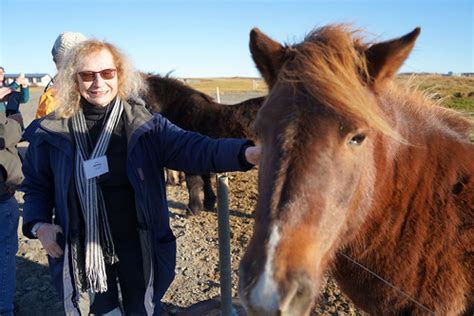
(64, 43)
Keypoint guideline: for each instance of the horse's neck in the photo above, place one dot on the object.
(171, 93)
(414, 182)
(419, 120)
(245, 113)
(420, 223)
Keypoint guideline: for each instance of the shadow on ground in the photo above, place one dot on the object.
(35, 294)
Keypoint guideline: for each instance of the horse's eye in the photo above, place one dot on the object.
(357, 139)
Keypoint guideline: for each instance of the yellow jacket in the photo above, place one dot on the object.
(46, 103)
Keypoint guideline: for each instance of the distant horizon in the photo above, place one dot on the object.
(202, 39)
(14, 75)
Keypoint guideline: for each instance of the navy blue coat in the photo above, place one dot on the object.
(153, 143)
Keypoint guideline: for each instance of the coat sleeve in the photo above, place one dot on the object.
(37, 186)
(195, 153)
(10, 132)
(25, 94)
(14, 85)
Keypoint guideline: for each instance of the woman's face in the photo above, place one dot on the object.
(91, 84)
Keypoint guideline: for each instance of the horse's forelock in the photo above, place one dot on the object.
(331, 67)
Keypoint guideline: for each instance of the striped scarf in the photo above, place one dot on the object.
(99, 246)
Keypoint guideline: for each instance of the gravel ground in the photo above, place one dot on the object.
(197, 273)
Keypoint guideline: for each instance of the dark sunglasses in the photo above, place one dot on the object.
(106, 74)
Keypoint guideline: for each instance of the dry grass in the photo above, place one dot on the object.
(452, 91)
(443, 85)
(228, 85)
(36, 89)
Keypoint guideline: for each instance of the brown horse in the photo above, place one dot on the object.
(195, 111)
(360, 178)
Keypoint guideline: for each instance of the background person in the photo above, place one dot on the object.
(10, 99)
(99, 163)
(63, 44)
(10, 178)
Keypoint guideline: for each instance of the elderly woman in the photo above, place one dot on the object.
(98, 162)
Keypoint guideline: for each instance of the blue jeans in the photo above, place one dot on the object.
(9, 215)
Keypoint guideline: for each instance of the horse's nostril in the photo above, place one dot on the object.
(301, 291)
(306, 286)
(300, 300)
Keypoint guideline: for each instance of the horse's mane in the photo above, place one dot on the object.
(420, 109)
(331, 66)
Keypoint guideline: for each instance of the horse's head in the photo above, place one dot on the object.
(318, 128)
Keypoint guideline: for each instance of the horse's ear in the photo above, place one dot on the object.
(385, 58)
(267, 54)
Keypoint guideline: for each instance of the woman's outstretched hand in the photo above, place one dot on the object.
(252, 154)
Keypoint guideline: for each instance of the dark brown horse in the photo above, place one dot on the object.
(357, 175)
(195, 111)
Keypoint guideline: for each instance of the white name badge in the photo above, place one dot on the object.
(95, 167)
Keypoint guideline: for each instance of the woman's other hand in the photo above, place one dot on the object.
(47, 236)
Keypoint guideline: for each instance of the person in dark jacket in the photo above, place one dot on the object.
(10, 178)
(10, 98)
(98, 162)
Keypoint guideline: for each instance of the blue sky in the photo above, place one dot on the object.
(210, 38)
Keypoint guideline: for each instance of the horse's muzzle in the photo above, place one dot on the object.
(296, 300)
